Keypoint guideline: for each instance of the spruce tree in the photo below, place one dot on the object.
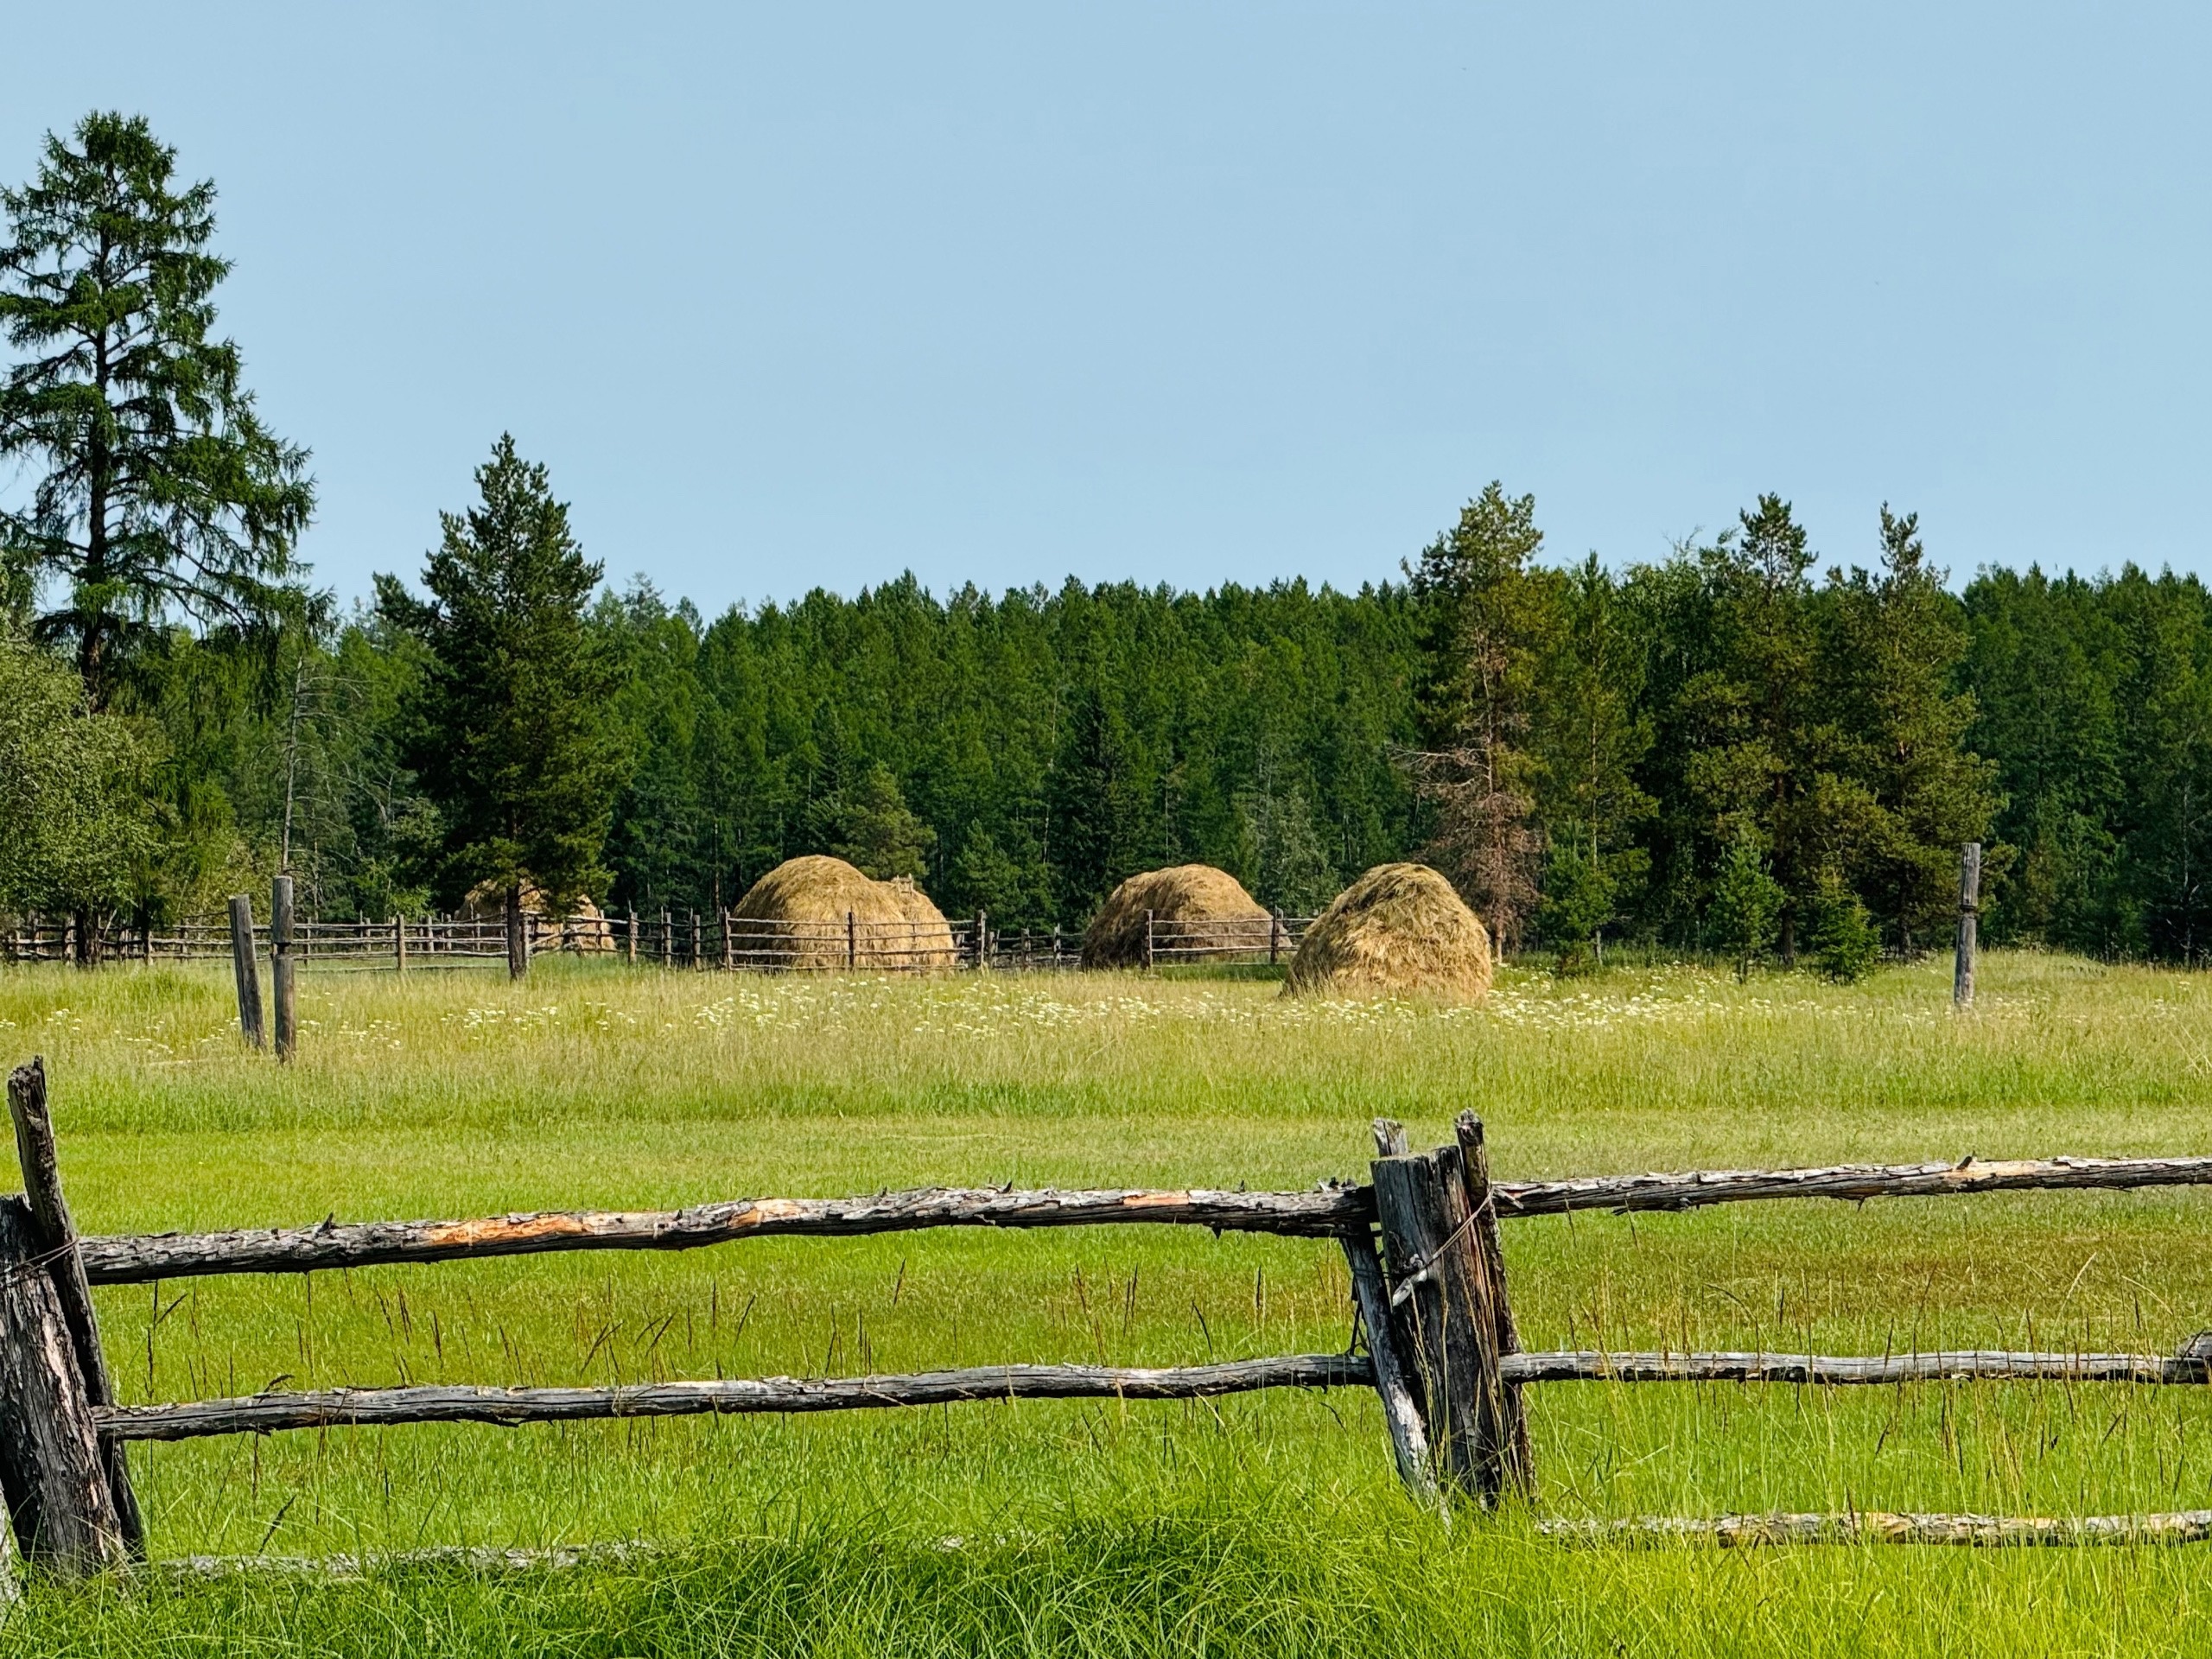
(1893, 645)
(158, 491)
(1487, 617)
(513, 737)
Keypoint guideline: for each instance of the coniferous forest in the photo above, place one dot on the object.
(1752, 747)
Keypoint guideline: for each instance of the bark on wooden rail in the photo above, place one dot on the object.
(128, 1259)
(371, 1408)
(1846, 1370)
(1878, 1527)
(1692, 1189)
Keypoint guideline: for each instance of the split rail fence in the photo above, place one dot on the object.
(1435, 1336)
(670, 939)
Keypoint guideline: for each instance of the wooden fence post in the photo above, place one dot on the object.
(852, 941)
(50, 1468)
(1275, 936)
(49, 1207)
(667, 939)
(1519, 1462)
(633, 936)
(399, 943)
(1970, 911)
(1148, 939)
(1395, 1384)
(282, 967)
(697, 960)
(1443, 1321)
(245, 969)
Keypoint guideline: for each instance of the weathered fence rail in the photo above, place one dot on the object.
(1324, 1211)
(1441, 1349)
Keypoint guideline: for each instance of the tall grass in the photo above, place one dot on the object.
(1269, 1524)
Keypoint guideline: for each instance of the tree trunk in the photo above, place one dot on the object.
(518, 939)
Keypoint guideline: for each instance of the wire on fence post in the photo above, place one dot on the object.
(1519, 1466)
(1442, 1318)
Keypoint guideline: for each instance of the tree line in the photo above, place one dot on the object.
(1729, 749)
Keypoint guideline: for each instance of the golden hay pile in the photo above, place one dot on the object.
(1400, 929)
(583, 929)
(1189, 894)
(893, 923)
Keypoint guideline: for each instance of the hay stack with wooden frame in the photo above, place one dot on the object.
(1193, 896)
(1399, 931)
(816, 901)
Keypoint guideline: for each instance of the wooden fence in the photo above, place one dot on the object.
(668, 939)
(1435, 1336)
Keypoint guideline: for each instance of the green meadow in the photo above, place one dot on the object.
(1264, 1524)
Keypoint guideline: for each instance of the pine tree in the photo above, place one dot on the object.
(1845, 944)
(163, 492)
(511, 737)
(1487, 620)
(1745, 721)
(1590, 736)
(877, 832)
(1894, 644)
(1747, 901)
(1097, 810)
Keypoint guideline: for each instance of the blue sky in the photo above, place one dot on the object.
(810, 295)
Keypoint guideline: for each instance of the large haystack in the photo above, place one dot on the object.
(1399, 929)
(1210, 915)
(806, 902)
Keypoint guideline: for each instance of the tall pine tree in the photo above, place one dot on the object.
(511, 736)
(158, 489)
(1487, 617)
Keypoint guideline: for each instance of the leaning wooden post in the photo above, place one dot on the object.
(49, 1207)
(1395, 1383)
(283, 969)
(1519, 1467)
(245, 969)
(1970, 910)
(1442, 1320)
(51, 1470)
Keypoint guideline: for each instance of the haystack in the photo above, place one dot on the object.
(583, 929)
(892, 923)
(1191, 895)
(1399, 929)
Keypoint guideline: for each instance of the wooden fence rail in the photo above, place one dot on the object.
(1328, 1211)
(1442, 1351)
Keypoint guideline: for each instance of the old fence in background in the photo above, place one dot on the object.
(1435, 1336)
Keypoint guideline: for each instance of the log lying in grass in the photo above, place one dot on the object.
(135, 1259)
(367, 1407)
(1693, 1189)
(1876, 1527)
(1845, 1371)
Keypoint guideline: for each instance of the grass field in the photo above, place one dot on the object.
(1269, 1524)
